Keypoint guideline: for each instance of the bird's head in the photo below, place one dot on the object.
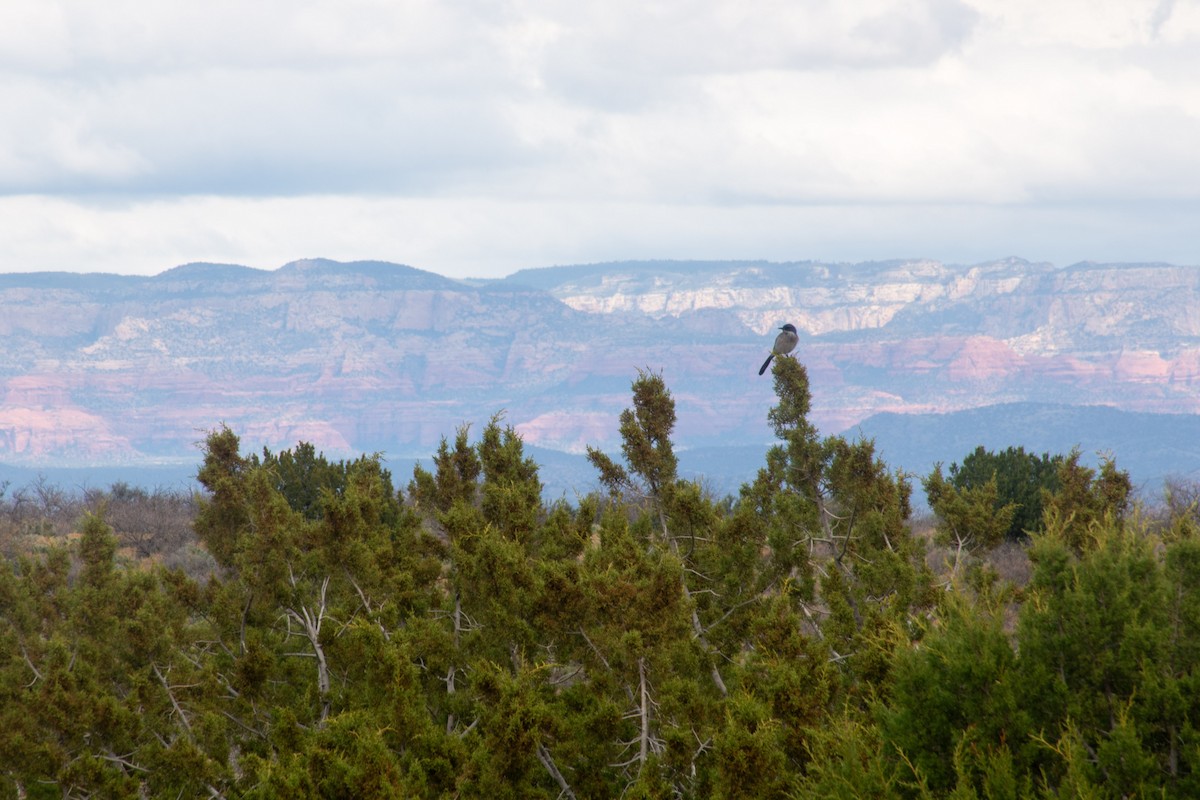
(789, 327)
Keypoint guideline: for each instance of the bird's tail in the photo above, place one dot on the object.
(766, 364)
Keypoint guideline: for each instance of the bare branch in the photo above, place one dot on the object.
(366, 601)
(310, 623)
(243, 725)
(123, 761)
(548, 762)
(37, 675)
(644, 739)
(174, 703)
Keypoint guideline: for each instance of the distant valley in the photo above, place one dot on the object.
(116, 371)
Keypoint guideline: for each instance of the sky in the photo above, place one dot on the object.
(474, 138)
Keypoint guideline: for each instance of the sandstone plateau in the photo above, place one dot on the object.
(370, 356)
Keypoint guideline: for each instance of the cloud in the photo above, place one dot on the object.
(537, 131)
(267, 100)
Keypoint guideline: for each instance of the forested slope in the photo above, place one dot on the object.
(459, 638)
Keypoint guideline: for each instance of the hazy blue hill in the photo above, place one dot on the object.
(191, 282)
(384, 274)
(1150, 446)
(205, 270)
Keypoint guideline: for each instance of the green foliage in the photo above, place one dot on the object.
(224, 511)
(306, 479)
(847, 761)
(465, 639)
(454, 478)
(970, 516)
(1017, 479)
(1092, 693)
(955, 697)
(751, 760)
(1086, 500)
(646, 444)
(840, 501)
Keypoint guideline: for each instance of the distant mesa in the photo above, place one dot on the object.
(376, 356)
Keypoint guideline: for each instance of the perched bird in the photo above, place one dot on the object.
(785, 343)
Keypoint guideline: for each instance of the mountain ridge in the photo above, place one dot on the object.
(371, 356)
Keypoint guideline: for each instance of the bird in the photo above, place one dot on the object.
(785, 343)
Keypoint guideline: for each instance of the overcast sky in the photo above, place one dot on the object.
(475, 138)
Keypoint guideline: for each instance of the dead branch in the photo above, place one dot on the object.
(548, 762)
(187, 726)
